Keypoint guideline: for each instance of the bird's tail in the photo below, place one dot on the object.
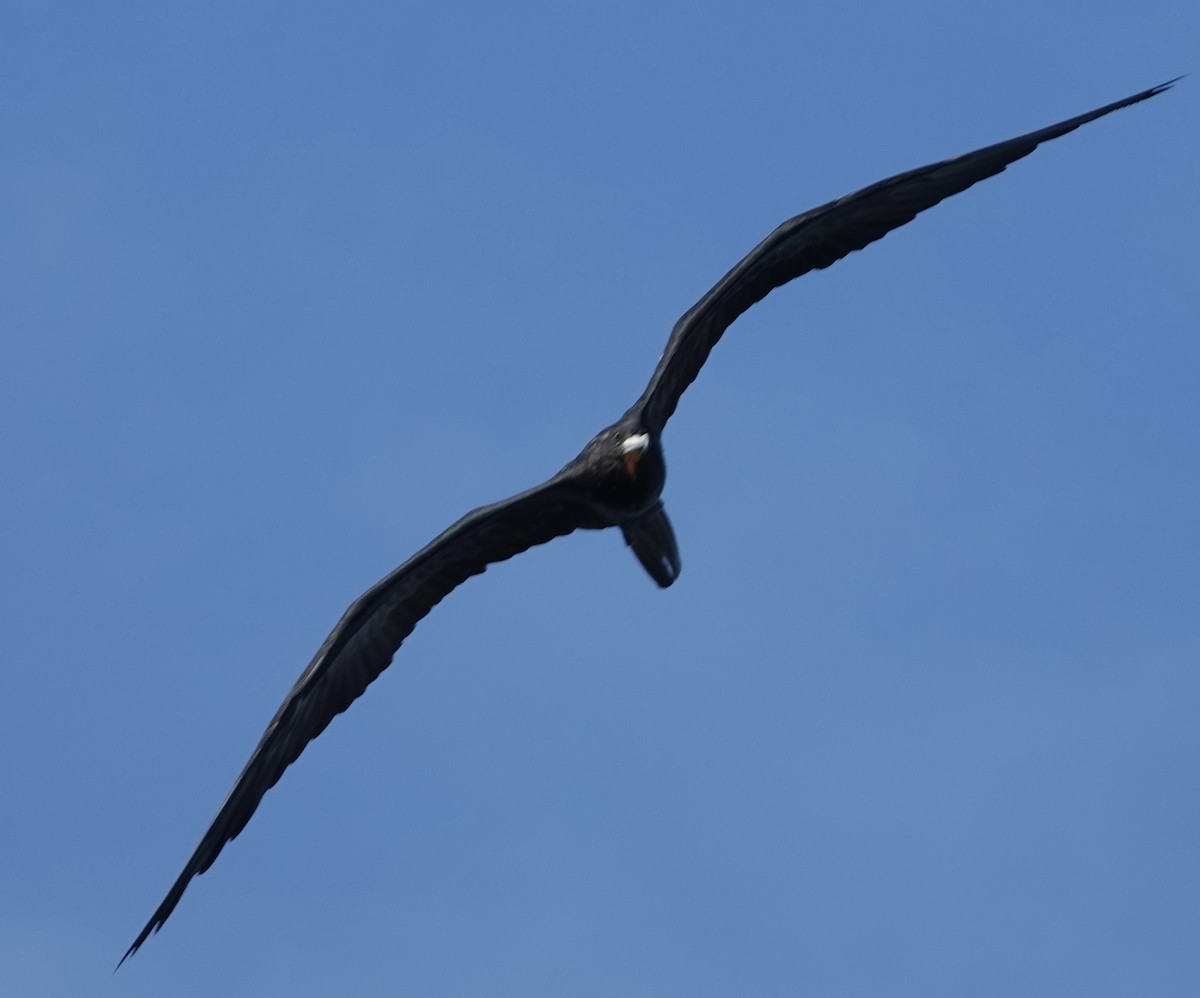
(653, 541)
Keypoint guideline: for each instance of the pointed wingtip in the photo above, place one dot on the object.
(1144, 94)
(129, 952)
(151, 927)
(1165, 86)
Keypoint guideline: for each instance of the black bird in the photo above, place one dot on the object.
(615, 481)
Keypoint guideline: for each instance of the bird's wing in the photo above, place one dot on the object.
(366, 638)
(821, 237)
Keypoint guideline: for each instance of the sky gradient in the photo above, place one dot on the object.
(289, 288)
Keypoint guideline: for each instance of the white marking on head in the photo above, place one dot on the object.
(635, 442)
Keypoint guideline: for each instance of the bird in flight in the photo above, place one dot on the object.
(616, 480)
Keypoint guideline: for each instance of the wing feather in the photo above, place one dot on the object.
(364, 641)
(821, 237)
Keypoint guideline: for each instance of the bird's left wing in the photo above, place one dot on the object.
(821, 237)
(364, 641)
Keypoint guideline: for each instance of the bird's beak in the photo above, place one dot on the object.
(632, 450)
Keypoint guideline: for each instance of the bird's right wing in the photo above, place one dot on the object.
(364, 641)
(821, 237)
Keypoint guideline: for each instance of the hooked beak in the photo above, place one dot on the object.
(632, 449)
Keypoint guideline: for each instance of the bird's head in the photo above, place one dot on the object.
(631, 448)
(624, 468)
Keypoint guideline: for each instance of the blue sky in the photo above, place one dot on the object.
(288, 288)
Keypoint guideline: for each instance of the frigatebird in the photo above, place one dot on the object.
(616, 480)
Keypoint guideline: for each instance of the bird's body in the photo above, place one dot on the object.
(616, 480)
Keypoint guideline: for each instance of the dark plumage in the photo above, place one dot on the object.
(615, 481)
